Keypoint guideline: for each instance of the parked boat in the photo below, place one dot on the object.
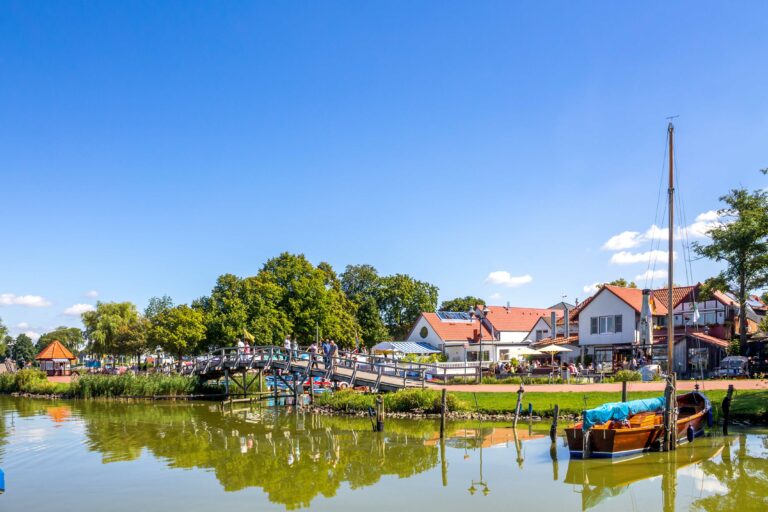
(627, 428)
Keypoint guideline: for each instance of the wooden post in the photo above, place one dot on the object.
(520, 392)
(727, 409)
(553, 428)
(274, 385)
(443, 463)
(311, 388)
(624, 391)
(226, 382)
(379, 414)
(443, 410)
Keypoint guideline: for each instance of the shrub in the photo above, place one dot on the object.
(627, 376)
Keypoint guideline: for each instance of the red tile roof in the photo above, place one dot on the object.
(710, 339)
(518, 319)
(454, 330)
(559, 340)
(55, 350)
(678, 294)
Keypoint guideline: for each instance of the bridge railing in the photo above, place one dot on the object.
(239, 357)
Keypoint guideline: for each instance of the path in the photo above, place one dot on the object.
(687, 385)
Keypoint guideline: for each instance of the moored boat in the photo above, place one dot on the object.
(627, 428)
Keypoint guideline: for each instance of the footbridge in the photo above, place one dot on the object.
(295, 368)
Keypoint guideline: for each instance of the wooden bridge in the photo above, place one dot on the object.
(295, 368)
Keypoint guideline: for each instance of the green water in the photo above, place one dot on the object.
(91, 456)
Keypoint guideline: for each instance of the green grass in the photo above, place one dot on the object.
(746, 404)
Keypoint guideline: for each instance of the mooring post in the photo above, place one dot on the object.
(624, 391)
(519, 404)
(443, 410)
(226, 382)
(311, 388)
(727, 408)
(443, 463)
(274, 385)
(669, 397)
(553, 428)
(379, 414)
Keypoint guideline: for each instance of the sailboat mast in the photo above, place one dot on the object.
(671, 247)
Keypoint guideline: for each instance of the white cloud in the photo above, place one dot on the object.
(22, 325)
(628, 258)
(698, 229)
(78, 309)
(92, 294)
(651, 275)
(495, 296)
(30, 301)
(624, 240)
(32, 334)
(504, 278)
(591, 288)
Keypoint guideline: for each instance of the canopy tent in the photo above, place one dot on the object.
(404, 347)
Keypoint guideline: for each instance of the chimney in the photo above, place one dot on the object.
(507, 306)
(566, 323)
(646, 322)
(553, 319)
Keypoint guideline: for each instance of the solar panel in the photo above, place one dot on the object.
(454, 315)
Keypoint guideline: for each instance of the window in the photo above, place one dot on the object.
(605, 324)
(424, 332)
(504, 354)
(541, 334)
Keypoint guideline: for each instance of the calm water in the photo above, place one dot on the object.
(145, 457)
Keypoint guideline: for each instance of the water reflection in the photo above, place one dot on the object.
(297, 458)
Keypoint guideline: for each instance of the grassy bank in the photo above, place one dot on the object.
(103, 386)
(409, 400)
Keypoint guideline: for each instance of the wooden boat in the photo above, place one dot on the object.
(640, 432)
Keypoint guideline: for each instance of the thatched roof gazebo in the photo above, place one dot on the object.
(55, 359)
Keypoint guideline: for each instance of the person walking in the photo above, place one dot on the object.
(313, 355)
(287, 347)
(326, 349)
(332, 351)
(295, 348)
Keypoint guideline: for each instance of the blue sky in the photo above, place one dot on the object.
(146, 148)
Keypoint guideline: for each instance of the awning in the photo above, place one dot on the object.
(405, 347)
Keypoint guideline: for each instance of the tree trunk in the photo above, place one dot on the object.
(742, 315)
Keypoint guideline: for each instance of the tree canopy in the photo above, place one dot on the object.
(623, 283)
(23, 350)
(740, 240)
(178, 330)
(461, 303)
(402, 299)
(115, 328)
(70, 337)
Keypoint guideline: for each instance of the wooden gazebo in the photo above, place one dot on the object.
(55, 359)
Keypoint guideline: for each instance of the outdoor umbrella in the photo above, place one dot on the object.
(554, 349)
(525, 351)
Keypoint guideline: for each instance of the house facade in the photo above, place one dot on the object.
(610, 327)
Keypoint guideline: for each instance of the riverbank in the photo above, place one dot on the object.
(750, 406)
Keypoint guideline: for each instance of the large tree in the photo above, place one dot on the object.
(23, 350)
(116, 328)
(623, 283)
(3, 343)
(70, 337)
(461, 303)
(238, 308)
(178, 330)
(311, 299)
(402, 299)
(741, 241)
(361, 284)
(157, 305)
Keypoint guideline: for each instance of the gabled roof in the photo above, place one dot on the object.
(679, 293)
(55, 350)
(455, 331)
(406, 347)
(518, 319)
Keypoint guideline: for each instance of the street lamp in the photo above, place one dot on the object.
(481, 315)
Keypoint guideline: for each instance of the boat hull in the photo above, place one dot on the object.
(624, 441)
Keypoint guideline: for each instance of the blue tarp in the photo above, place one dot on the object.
(620, 411)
